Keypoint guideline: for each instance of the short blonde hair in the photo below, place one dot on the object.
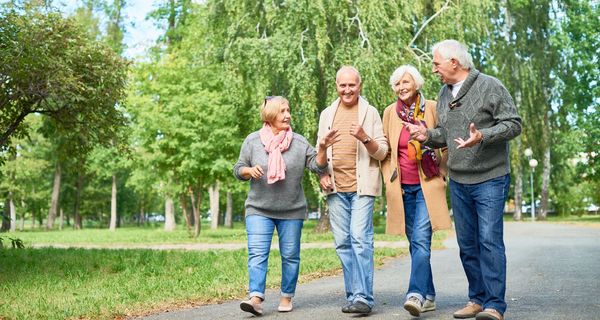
(407, 68)
(270, 108)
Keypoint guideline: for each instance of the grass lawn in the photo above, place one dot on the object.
(586, 219)
(107, 284)
(156, 235)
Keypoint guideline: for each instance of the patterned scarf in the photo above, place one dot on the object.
(412, 114)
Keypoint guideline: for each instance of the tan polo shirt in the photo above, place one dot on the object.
(344, 151)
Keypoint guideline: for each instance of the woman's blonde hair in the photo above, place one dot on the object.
(271, 107)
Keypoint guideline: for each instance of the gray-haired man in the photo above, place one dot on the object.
(477, 118)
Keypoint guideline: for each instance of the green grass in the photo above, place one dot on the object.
(156, 235)
(590, 220)
(107, 284)
(583, 219)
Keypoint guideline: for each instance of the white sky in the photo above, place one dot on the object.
(140, 34)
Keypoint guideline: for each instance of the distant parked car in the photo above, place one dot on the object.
(592, 209)
(156, 218)
(315, 215)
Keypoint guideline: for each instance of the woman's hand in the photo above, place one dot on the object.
(332, 137)
(327, 141)
(255, 172)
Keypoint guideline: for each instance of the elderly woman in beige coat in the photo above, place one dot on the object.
(415, 184)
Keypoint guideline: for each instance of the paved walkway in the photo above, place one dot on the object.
(553, 274)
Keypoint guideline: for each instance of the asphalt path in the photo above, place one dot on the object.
(553, 273)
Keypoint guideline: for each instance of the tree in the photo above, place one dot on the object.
(49, 66)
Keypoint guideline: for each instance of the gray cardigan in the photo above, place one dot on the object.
(484, 101)
(283, 199)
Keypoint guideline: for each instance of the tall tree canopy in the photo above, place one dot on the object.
(50, 66)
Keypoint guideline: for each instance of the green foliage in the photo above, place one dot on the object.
(15, 243)
(49, 66)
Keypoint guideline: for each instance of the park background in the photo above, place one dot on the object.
(99, 146)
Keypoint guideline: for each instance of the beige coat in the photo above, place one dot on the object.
(367, 165)
(434, 189)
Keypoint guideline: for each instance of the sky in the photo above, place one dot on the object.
(140, 33)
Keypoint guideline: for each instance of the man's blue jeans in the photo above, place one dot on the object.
(351, 218)
(478, 210)
(260, 232)
(418, 233)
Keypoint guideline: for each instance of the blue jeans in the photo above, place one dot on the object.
(260, 232)
(478, 210)
(418, 233)
(351, 218)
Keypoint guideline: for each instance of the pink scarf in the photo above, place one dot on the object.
(275, 145)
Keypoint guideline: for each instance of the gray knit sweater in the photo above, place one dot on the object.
(484, 101)
(283, 199)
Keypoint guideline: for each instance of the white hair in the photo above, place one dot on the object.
(452, 49)
(407, 68)
(348, 68)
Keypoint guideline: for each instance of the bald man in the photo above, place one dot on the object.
(352, 183)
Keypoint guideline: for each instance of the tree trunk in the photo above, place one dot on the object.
(54, 201)
(196, 208)
(113, 205)
(543, 213)
(184, 212)
(229, 211)
(213, 198)
(142, 218)
(323, 224)
(13, 213)
(32, 219)
(169, 214)
(6, 216)
(518, 214)
(76, 214)
(22, 223)
(61, 220)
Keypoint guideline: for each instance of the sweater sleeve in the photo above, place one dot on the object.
(311, 161)
(244, 160)
(507, 121)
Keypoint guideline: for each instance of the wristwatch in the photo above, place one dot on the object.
(367, 140)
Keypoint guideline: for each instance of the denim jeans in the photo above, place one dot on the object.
(418, 233)
(478, 210)
(260, 232)
(351, 218)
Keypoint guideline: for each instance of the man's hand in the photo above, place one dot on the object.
(255, 172)
(325, 181)
(332, 137)
(417, 131)
(475, 137)
(356, 130)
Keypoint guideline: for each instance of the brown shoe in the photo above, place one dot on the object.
(469, 311)
(489, 314)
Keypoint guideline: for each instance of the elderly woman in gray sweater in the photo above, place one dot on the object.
(274, 159)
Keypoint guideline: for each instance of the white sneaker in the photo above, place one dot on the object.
(428, 305)
(413, 306)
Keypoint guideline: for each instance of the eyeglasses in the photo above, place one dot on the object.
(267, 98)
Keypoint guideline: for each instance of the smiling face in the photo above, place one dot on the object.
(282, 120)
(406, 89)
(347, 85)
